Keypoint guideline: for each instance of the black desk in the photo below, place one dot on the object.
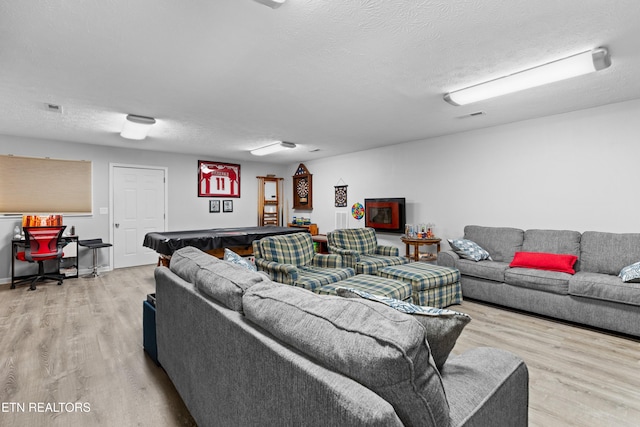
(213, 240)
(69, 271)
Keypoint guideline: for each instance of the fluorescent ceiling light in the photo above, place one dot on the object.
(572, 66)
(136, 127)
(273, 4)
(273, 148)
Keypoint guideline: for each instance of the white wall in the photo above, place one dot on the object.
(573, 171)
(186, 210)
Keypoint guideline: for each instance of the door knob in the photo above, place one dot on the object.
(117, 225)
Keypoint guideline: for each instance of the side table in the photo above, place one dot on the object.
(321, 240)
(416, 243)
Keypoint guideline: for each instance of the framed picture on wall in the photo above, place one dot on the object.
(217, 179)
(227, 206)
(214, 206)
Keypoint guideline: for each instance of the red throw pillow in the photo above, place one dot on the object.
(544, 261)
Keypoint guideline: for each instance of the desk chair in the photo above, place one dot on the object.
(94, 244)
(42, 244)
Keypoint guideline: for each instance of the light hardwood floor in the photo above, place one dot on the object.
(577, 376)
(82, 342)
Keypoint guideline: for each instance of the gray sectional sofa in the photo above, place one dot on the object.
(242, 350)
(593, 296)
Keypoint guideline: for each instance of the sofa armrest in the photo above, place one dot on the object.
(341, 251)
(448, 259)
(283, 273)
(387, 250)
(327, 261)
(349, 256)
(487, 387)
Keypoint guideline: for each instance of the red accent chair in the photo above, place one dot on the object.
(42, 244)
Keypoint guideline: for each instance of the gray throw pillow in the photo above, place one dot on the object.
(234, 258)
(630, 273)
(443, 326)
(381, 348)
(468, 249)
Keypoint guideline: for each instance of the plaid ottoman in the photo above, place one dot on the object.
(373, 284)
(432, 285)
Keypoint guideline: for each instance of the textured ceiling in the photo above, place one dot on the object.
(225, 76)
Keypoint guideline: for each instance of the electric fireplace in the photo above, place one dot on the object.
(386, 215)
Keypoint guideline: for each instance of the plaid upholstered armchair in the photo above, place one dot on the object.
(291, 259)
(360, 250)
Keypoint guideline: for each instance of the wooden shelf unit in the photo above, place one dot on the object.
(269, 201)
(313, 228)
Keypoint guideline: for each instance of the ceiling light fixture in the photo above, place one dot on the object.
(54, 108)
(273, 148)
(572, 66)
(136, 127)
(273, 4)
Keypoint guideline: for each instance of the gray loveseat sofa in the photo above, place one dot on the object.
(242, 350)
(593, 296)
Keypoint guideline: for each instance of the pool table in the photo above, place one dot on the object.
(213, 240)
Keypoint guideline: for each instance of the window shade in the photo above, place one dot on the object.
(36, 185)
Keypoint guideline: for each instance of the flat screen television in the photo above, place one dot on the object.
(386, 215)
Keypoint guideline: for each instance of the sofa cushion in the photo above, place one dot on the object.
(370, 264)
(296, 249)
(608, 253)
(379, 347)
(552, 241)
(373, 284)
(443, 326)
(361, 240)
(223, 281)
(604, 287)
(312, 278)
(630, 273)
(545, 261)
(468, 249)
(187, 261)
(542, 280)
(226, 282)
(500, 242)
(490, 270)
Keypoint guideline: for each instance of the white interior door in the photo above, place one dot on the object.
(139, 205)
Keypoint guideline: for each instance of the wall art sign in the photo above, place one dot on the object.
(341, 196)
(217, 179)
